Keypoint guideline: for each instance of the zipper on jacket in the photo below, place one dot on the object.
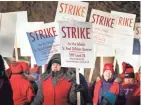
(54, 96)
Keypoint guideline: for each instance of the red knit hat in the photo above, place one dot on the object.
(25, 66)
(125, 66)
(16, 67)
(129, 70)
(108, 66)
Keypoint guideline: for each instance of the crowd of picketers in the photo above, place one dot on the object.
(23, 85)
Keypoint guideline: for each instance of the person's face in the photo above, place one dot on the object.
(129, 81)
(107, 75)
(55, 67)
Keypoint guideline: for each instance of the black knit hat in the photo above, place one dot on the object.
(56, 61)
(129, 75)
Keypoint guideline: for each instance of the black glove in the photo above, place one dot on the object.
(79, 88)
(104, 101)
(89, 104)
(71, 74)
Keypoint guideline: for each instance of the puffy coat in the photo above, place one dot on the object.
(56, 95)
(22, 91)
(132, 94)
(114, 88)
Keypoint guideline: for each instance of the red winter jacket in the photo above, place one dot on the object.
(57, 95)
(133, 95)
(114, 89)
(138, 77)
(22, 92)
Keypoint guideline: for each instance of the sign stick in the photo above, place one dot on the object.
(78, 82)
(16, 49)
(115, 60)
(101, 65)
(91, 74)
(43, 69)
(82, 71)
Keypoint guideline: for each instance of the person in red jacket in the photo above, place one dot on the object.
(131, 88)
(22, 91)
(55, 88)
(105, 84)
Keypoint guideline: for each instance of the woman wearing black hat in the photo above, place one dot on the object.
(55, 88)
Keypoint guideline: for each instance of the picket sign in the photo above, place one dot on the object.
(7, 33)
(76, 50)
(78, 82)
(68, 11)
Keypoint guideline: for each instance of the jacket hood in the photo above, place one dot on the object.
(55, 56)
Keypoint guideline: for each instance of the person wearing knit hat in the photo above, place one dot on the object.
(22, 90)
(105, 84)
(54, 87)
(129, 76)
(130, 86)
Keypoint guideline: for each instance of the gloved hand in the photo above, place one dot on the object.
(119, 80)
(104, 102)
(71, 74)
(89, 104)
(79, 88)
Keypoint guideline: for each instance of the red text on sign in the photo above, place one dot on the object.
(72, 9)
(125, 21)
(76, 32)
(137, 30)
(42, 34)
(104, 21)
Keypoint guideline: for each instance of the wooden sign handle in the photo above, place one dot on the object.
(101, 66)
(43, 69)
(78, 82)
(115, 60)
(16, 49)
(91, 74)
